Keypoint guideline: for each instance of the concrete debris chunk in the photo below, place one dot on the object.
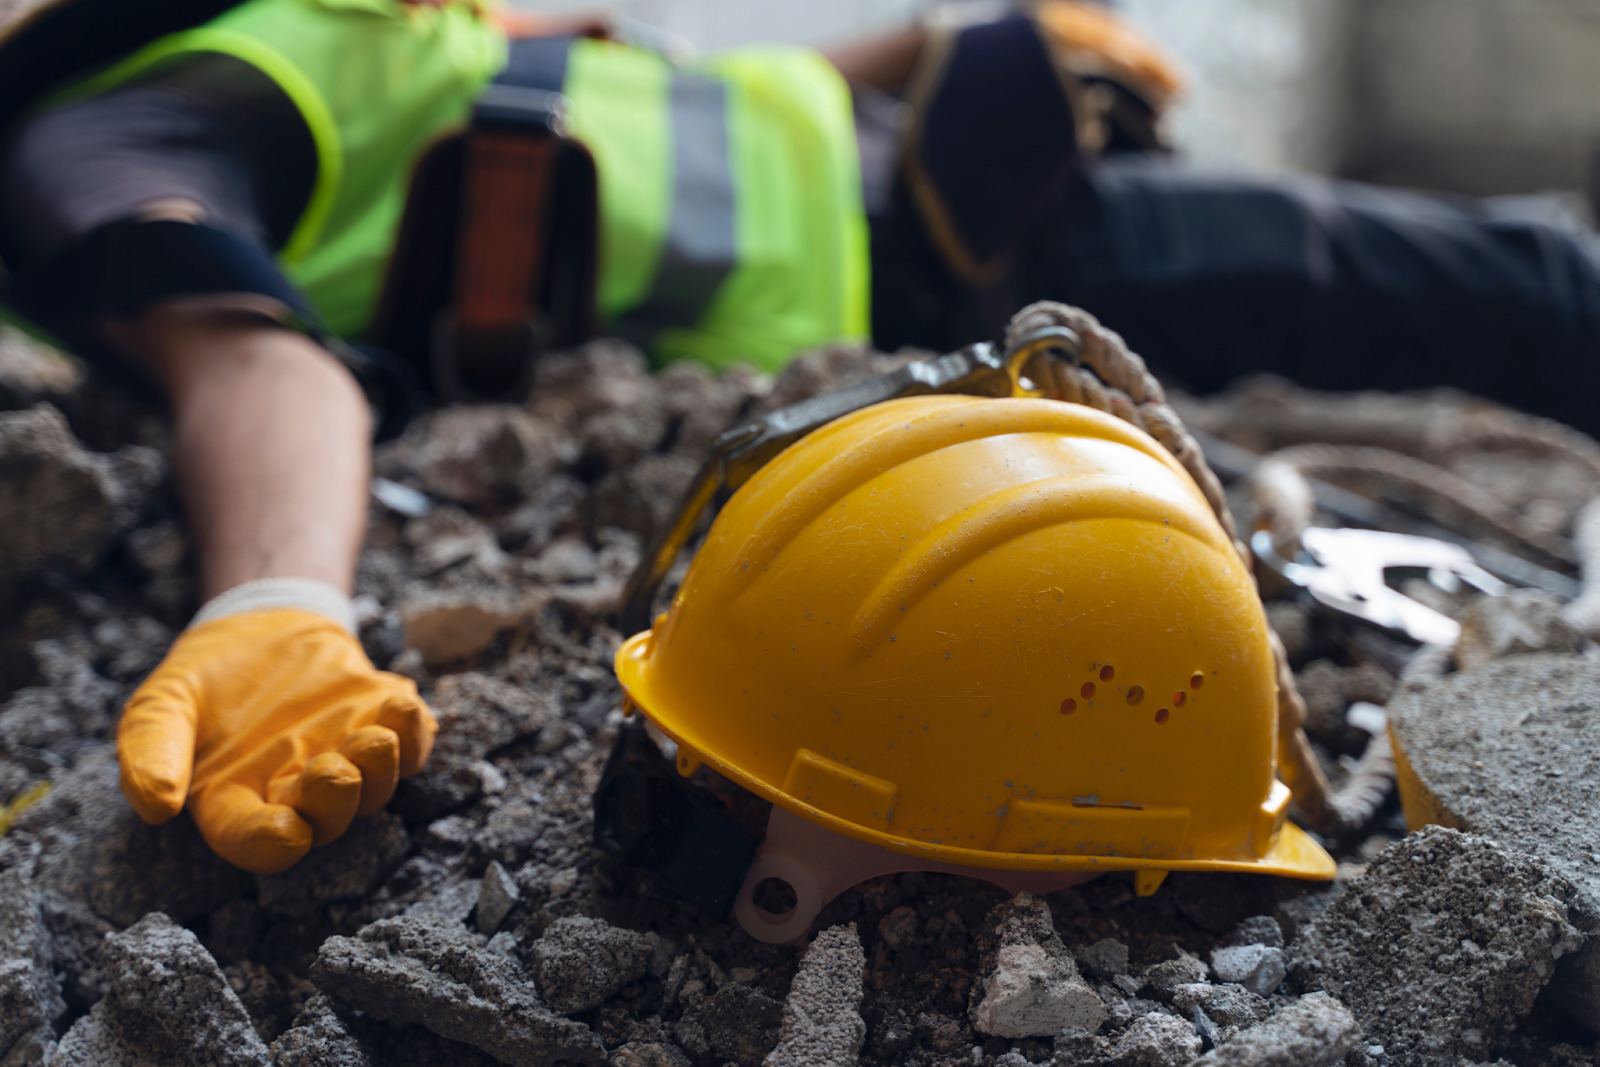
(1519, 622)
(1165, 977)
(1507, 751)
(1441, 947)
(168, 1003)
(30, 999)
(581, 962)
(1256, 967)
(822, 1024)
(1028, 983)
(1106, 958)
(444, 978)
(1156, 1040)
(1314, 1031)
(497, 895)
(353, 867)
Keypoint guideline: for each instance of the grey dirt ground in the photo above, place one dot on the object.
(474, 922)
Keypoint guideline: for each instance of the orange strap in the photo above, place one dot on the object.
(504, 223)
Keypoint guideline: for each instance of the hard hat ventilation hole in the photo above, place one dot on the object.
(775, 897)
(1107, 673)
(1068, 706)
(1135, 695)
(1180, 698)
(1196, 680)
(1161, 716)
(1087, 690)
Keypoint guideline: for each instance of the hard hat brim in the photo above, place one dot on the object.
(1291, 854)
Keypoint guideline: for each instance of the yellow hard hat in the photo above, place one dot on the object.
(983, 633)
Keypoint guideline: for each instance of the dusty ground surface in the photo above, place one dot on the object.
(475, 923)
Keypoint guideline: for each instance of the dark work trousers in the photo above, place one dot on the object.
(1331, 284)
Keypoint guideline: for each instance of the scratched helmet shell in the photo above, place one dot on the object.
(992, 633)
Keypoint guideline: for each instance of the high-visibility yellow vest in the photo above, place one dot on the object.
(730, 206)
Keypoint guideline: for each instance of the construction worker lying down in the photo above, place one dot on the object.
(295, 218)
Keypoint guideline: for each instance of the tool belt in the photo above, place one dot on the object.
(497, 256)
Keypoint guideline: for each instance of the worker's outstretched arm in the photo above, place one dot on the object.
(266, 717)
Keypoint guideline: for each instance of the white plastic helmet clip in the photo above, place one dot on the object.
(818, 864)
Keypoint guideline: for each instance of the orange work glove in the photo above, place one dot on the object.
(277, 730)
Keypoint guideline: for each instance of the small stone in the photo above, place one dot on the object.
(497, 895)
(1106, 958)
(1257, 930)
(822, 1024)
(1314, 1031)
(1256, 967)
(1028, 984)
(581, 962)
(1168, 975)
(1156, 1040)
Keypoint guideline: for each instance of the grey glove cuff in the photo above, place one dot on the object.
(266, 594)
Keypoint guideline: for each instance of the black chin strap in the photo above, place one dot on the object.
(649, 816)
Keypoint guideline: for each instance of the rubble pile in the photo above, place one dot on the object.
(474, 922)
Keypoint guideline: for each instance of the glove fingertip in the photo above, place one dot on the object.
(277, 839)
(154, 798)
(412, 721)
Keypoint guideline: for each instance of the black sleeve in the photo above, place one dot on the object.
(76, 181)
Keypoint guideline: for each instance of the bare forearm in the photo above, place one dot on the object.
(271, 448)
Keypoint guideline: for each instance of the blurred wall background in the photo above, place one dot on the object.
(1475, 96)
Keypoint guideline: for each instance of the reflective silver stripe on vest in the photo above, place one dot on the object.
(700, 249)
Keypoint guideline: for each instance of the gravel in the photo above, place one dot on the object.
(377, 951)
